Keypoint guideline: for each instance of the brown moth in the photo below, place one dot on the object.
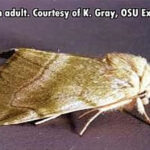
(44, 85)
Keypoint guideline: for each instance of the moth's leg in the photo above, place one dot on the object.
(86, 113)
(89, 121)
(141, 110)
(47, 119)
(103, 109)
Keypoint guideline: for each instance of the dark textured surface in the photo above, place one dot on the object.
(88, 37)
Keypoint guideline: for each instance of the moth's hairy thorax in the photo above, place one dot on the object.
(135, 64)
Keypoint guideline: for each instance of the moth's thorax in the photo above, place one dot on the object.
(142, 70)
(137, 66)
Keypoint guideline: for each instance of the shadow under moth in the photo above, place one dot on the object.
(44, 85)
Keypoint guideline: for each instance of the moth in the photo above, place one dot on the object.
(43, 85)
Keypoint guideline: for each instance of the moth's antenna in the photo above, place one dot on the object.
(7, 54)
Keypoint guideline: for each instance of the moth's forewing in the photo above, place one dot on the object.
(36, 84)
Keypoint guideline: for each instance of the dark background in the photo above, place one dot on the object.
(82, 36)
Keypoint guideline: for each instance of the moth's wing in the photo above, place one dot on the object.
(35, 84)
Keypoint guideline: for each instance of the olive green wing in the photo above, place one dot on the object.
(36, 84)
